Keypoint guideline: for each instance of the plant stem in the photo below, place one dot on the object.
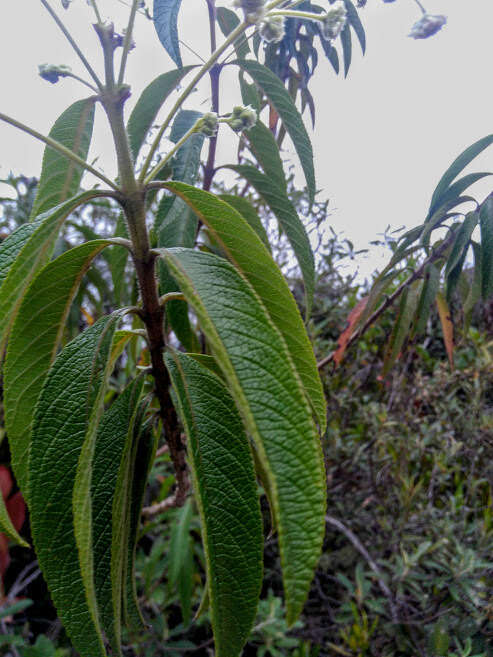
(127, 44)
(214, 74)
(298, 14)
(153, 173)
(58, 147)
(74, 45)
(187, 91)
(96, 11)
(420, 6)
(79, 79)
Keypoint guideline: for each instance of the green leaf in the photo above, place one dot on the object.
(290, 116)
(288, 218)
(7, 527)
(226, 495)
(35, 339)
(266, 152)
(166, 24)
(431, 286)
(407, 311)
(457, 166)
(179, 537)
(111, 494)
(65, 411)
(268, 393)
(12, 245)
(458, 255)
(356, 24)
(346, 48)
(249, 214)
(254, 262)
(486, 224)
(60, 177)
(249, 93)
(227, 21)
(35, 252)
(456, 189)
(117, 260)
(149, 104)
(475, 289)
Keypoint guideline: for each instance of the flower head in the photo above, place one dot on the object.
(427, 26)
(52, 73)
(208, 124)
(334, 20)
(242, 118)
(272, 29)
(254, 10)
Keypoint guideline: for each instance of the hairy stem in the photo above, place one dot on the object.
(58, 147)
(188, 90)
(162, 163)
(127, 43)
(74, 45)
(214, 74)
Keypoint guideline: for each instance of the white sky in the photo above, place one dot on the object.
(383, 138)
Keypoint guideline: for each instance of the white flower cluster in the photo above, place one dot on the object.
(272, 29)
(208, 124)
(427, 26)
(334, 21)
(53, 72)
(242, 118)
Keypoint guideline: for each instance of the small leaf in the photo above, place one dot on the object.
(35, 252)
(180, 533)
(149, 104)
(60, 177)
(486, 224)
(255, 263)
(35, 339)
(288, 218)
(268, 393)
(290, 116)
(447, 326)
(346, 48)
(407, 310)
(457, 166)
(166, 24)
(226, 494)
(345, 336)
(356, 24)
(62, 417)
(430, 289)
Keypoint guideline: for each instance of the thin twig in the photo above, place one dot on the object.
(364, 552)
(127, 43)
(74, 45)
(58, 147)
(169, 503)
(389, 300)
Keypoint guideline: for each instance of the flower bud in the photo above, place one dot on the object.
(427, 26)
(242, 118)
(254, 10)
(334, 20)
(52, 73)
(208, 124)
(272, 29)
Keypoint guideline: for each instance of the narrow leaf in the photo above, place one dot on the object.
(356, 24)
(60, 177)
(431, 286)
(447, 326)
(266, 152)
(35, 252)
(62, 416)
(36, 337)
(254, 262)
(456, 189)
(458, 165)
(407, 310)
(352, 321)
(290, 116)
(486, 224)
(225, 490)
(290, 222)
(166, 24)
(227, 21)
(7, 526)
(346, 48)
(249, 214)
(149, 104)
(268, 393)
(12, 245)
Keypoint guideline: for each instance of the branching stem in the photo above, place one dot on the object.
(127, 43)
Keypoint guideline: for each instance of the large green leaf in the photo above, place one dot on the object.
(66, 410)
(36, 337)
(254, 262)
(60, 177)
(35, 252)
(460, 248)
(456, 167)
(12, 245)
(290, 116)
(285, 212)
(166, 24)
(149, 104)
(226, 494)
(264, 147)
(111, 488)
(268, 393)
(456, 189)
(249, 214)
(486, 224)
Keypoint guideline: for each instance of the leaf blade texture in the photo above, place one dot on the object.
(166, 24)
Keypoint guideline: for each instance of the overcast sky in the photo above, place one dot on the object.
(384, 135)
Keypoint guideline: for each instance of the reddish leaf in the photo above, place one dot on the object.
(16, 508)
(5, 481)
(447, 327)
(345, 336)
(273, 119)
(4, 556)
